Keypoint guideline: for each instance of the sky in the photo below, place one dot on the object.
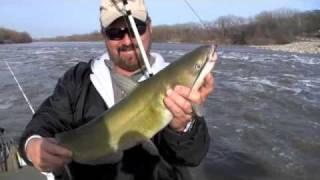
(50, 18)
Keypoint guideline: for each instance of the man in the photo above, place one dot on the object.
(88, 89)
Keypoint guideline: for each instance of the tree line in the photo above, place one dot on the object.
(269, 27)
(11, 36)
(94, 36)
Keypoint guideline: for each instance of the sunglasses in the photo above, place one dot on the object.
(119, 33)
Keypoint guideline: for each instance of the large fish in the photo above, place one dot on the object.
(140, 115)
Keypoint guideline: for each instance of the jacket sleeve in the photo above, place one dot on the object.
(56, 113)
(187, 148)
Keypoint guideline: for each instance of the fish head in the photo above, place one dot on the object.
(192, 68)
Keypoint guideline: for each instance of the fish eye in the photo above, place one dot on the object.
(197, 66)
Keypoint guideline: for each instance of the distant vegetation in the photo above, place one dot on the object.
(11, 36)
(94, 36)
(270, 27)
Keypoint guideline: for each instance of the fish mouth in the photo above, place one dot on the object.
(210, 61)
(212, 56)
(206, 68)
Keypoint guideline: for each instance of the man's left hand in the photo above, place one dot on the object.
(179, 102)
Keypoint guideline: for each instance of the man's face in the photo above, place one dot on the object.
(122, 48)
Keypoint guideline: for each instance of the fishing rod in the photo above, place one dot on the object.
(49, 176)
(137, 37)
(20, 160)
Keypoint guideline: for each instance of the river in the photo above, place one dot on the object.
(263, 117)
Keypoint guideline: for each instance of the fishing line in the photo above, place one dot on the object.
(20, 88)
(198, 16)
(195, 13)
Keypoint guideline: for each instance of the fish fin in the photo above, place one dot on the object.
(198, 109)
(126, 84)
(150, 147)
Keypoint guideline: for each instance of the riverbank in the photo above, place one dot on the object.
(310, 46)
(9, 36)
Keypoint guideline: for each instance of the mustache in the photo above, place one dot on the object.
(128, 47)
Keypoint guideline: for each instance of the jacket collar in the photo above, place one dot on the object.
(101, 78)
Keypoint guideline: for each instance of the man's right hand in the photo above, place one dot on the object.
(46, 155)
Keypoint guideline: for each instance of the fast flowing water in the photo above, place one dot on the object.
(263, 117)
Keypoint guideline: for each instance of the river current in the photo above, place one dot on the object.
(263, 117)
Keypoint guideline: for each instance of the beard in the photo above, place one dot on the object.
(130, 63)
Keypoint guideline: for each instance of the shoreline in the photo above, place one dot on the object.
(304, 46)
